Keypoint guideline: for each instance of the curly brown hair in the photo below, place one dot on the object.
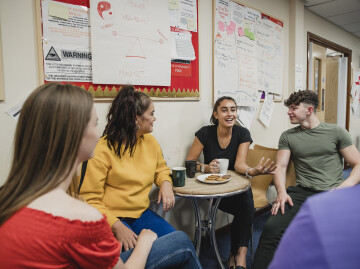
(307, 97)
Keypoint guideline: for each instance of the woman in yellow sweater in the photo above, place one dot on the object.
(127, 161)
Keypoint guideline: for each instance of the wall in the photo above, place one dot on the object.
(324, 29)
(176, 121)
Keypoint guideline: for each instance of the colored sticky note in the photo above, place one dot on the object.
(252, 35)
(191, 24)
(221, 26)
(58, 10)
(232, 26)
(247, 32)
(174, 4)
(240, 31)
(229, 31)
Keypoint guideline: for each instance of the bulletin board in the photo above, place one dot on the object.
(184, 74)
(248, 48)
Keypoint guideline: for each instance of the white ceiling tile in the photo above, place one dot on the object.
(353, 27)
(357, 34)
(336, 7)
(346, 18)
(315, 2)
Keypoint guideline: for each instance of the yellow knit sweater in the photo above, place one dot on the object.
(119, 187)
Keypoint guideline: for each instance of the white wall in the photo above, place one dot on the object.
(324, 29)
(176, 121)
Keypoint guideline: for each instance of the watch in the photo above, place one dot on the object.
(203, 168)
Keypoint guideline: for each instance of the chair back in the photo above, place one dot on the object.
(260, 184)
(290, 172)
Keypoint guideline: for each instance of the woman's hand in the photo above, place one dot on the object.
(147, 236)
(166, 194)
(263, 168)
(214, 167)
(124, 235)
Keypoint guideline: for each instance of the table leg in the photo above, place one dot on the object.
(198, 226)
(212, 230)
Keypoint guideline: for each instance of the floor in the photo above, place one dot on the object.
(207, 254)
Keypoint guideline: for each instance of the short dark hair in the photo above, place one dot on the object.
(214, 120)
(121, 125)
(306, 96)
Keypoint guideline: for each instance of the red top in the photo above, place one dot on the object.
(35, 239)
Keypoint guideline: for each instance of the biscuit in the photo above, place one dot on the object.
(226, 176)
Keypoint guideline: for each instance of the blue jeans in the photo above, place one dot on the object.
(173, 250)
(148, 220)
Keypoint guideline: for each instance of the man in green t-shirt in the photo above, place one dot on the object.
(317, 149)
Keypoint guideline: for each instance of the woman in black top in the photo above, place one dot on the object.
(226, 140)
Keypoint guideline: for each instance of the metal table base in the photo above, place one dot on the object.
(207, 225)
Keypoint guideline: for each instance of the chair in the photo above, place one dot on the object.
(290, 172)
(259, 185)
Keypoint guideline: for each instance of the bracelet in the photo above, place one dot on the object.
(247, 173)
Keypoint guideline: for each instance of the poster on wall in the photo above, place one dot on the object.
(131, 42)
(66, 42)
(248, 53)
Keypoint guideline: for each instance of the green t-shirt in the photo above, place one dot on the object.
(316, 154)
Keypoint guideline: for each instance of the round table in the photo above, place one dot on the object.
(194, 189)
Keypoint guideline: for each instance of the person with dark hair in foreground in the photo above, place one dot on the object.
(225, 139)
(317, 149)
(324, 234)
(41, 226)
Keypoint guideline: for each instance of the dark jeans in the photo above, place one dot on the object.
(149, 220)
(241, 206)
(276, 225)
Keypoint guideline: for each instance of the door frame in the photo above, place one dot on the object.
(347, 53)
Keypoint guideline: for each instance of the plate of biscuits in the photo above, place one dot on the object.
(214, 178)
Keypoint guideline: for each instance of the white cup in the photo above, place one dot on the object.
(223, 165)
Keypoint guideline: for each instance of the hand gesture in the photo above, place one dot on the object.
(265, 168)
(214, 167)
(280, 203)
(124, 235)
(166, 194)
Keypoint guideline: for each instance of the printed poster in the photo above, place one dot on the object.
(130, 42)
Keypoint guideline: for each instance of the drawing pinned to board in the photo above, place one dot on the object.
(127, 50)
(251, 60)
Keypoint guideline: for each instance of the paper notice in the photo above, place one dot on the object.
(298, 77)
(15, 110)
(182, 47)
(58, 10)
(246, 115)
(267, 110)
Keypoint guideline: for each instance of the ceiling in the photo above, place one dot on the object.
(343, 13)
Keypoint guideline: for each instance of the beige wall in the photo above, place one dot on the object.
(176, 121)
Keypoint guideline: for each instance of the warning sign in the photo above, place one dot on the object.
(67, 62)
(52, 55)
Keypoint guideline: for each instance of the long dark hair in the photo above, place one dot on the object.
(214, 120)
(121, 125)
(47, 140)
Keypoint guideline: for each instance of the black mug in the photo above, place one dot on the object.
(190, 168)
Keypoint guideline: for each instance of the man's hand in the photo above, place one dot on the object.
(166, 194)
(124, 235)
(280, 203)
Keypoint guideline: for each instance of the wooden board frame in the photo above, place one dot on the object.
(2, 86)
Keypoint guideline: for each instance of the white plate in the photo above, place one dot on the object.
(202, 178)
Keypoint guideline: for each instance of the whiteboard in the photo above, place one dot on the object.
(248, 52)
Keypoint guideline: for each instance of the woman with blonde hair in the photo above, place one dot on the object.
(41, 226)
